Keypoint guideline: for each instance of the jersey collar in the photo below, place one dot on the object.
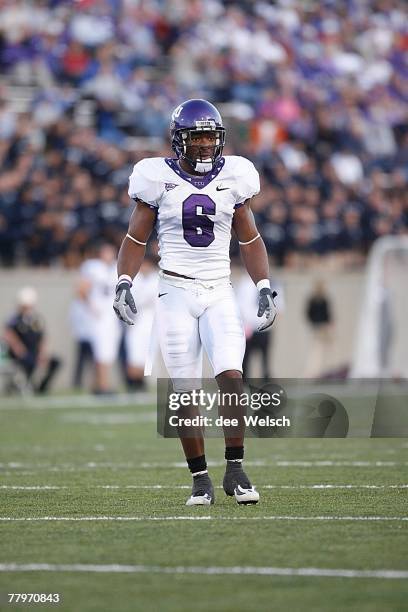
(199, 182)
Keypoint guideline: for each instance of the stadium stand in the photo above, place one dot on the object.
(313, 92)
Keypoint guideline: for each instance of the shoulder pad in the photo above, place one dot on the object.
(240, 165)
(246, 176)
(145, 181)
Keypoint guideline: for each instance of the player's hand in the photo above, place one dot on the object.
(267, 307)
(124, 302)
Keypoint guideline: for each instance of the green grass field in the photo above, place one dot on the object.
(80, 491)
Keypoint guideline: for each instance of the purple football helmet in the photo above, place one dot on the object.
(194, 116)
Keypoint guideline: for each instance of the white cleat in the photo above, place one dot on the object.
(202, 493)
(237, 484)
(200, 500)
(246, 496)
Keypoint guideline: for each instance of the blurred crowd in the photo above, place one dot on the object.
(314, 92)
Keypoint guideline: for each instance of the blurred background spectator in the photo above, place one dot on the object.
(319, 315)
(315, 93)
(98, 279)
(81, 322)
(24, 335)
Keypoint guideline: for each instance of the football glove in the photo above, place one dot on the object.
(124, 301)
(268, 307)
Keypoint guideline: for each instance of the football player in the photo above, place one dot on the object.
(98, 279)
(195, 200)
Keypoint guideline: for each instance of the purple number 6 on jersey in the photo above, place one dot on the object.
(198, 229)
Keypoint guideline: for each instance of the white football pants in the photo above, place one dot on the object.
(192, 314)
(105, 334)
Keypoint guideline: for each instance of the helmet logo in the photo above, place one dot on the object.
(177, 112)
(205, 125)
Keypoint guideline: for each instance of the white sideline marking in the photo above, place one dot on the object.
(12, 519)
(158, 486)
(310, 572)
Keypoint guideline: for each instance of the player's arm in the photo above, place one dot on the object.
(131, 255)
(255, 258)
(132, 251)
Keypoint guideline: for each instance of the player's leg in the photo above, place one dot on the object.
(236, 482)
(52, 366)
(223, 338)
(27, 365)
(177, 327)
(105, 347)
(82, 358)
(85, 362)
(264, 340)
(247, 357)
(78, 366)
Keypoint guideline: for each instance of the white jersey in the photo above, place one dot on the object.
(102, 278)
(194, 213)
(104, 326)
(81, 320)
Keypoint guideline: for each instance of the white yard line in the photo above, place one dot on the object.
(262, 486)
(308, 572)
(13, 465)
(77, 401)
(32, 487)
(331, 486)
(158, 486)
(114, 418)
(12, 519)
(337, 463)
(68, 467)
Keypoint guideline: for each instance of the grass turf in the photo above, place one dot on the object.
(81, 450)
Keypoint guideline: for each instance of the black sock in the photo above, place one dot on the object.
(234, 454)
(197, 465)
(136, 384)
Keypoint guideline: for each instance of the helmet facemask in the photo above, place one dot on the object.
(202, 162)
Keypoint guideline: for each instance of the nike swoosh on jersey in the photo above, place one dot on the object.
(219, 188)
(161, 294)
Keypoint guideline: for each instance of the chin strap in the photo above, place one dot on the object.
(204, 166)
